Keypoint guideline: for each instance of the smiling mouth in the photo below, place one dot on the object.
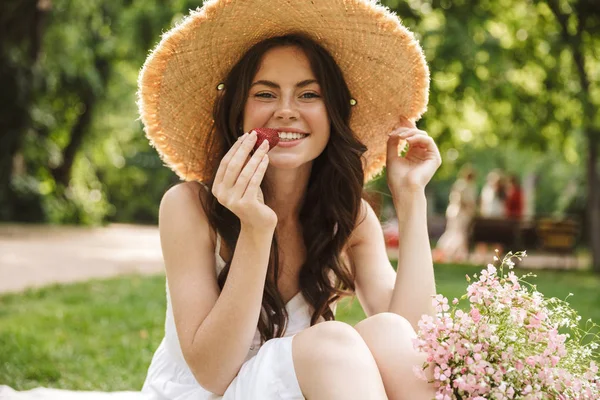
(291, 136)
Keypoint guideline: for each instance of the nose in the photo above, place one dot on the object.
(287, 111)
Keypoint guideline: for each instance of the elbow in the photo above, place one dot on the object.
(215, 388)
(210, 382)
(209, 376)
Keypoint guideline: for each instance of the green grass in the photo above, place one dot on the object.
(101, 334)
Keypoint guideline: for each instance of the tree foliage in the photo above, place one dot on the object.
(514, 84)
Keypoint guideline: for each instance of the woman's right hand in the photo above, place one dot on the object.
(237, 183)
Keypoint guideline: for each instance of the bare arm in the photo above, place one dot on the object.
(407, 177)
(375, 275)
(216, 330)
(222, 342)
(415, 283)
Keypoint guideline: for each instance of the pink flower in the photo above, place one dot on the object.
(506, 346)
(475, 315)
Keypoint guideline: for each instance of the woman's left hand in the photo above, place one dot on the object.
(413, 171)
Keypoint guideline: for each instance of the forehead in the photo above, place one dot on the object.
(284, 62)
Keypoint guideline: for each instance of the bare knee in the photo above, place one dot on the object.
(389, 337)
(333, 361)
(390, 324)
(330, 339)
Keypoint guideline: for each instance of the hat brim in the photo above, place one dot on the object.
(383, 65)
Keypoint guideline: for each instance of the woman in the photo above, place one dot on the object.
(453, 245)
(514, 198)
(493, 196)
(259, 246)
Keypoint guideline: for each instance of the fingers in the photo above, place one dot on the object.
(253, 188)
(405, 133)
(225, 161)
(393, 149)
(237, 160)
(420, 141)
(426, 143)
(250, 169)
(413, 137)
(399, 135)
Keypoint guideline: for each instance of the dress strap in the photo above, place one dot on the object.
(204, 185)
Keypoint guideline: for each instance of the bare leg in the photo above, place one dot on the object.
(389, 337)
(333, 362)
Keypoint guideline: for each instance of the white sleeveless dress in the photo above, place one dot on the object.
(267, 373)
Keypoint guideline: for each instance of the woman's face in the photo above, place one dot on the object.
(286, 96)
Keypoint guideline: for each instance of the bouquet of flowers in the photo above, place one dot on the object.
(509, 342)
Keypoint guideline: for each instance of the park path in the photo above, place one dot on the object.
(38, 255)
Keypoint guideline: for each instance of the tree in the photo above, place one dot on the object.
(21, 34)
(57, 61)
(577, 21)
(505, 72)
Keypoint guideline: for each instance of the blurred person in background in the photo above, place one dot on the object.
(493, 196)
(453, 245)
(491, 206)
(513, 204)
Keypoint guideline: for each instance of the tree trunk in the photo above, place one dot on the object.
(14, 118)
(62, 173)
(584, 10)
(593, 201)
(89, 98)
(22, 26)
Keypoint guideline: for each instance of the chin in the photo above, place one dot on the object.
(287, 161)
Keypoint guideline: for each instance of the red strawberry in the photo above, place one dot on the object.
(266, 133)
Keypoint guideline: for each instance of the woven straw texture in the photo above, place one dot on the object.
(383, 65)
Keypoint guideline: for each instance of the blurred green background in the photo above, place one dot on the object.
(514, 85)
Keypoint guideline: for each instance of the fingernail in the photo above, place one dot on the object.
(265, 142)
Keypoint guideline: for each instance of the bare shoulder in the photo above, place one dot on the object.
(181, 209)
(185, 194)
(186, 237)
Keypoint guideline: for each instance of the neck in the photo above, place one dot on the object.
(286, 192)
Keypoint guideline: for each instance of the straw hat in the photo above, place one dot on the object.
(383, 65)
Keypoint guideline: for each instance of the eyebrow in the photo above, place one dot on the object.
(276, 86)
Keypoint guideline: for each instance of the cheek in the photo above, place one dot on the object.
(318, 116)
(254, 111)
(319, 122)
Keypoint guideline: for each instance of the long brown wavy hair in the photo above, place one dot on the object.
(335, 187)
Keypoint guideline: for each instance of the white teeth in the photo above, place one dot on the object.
(291, 136)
